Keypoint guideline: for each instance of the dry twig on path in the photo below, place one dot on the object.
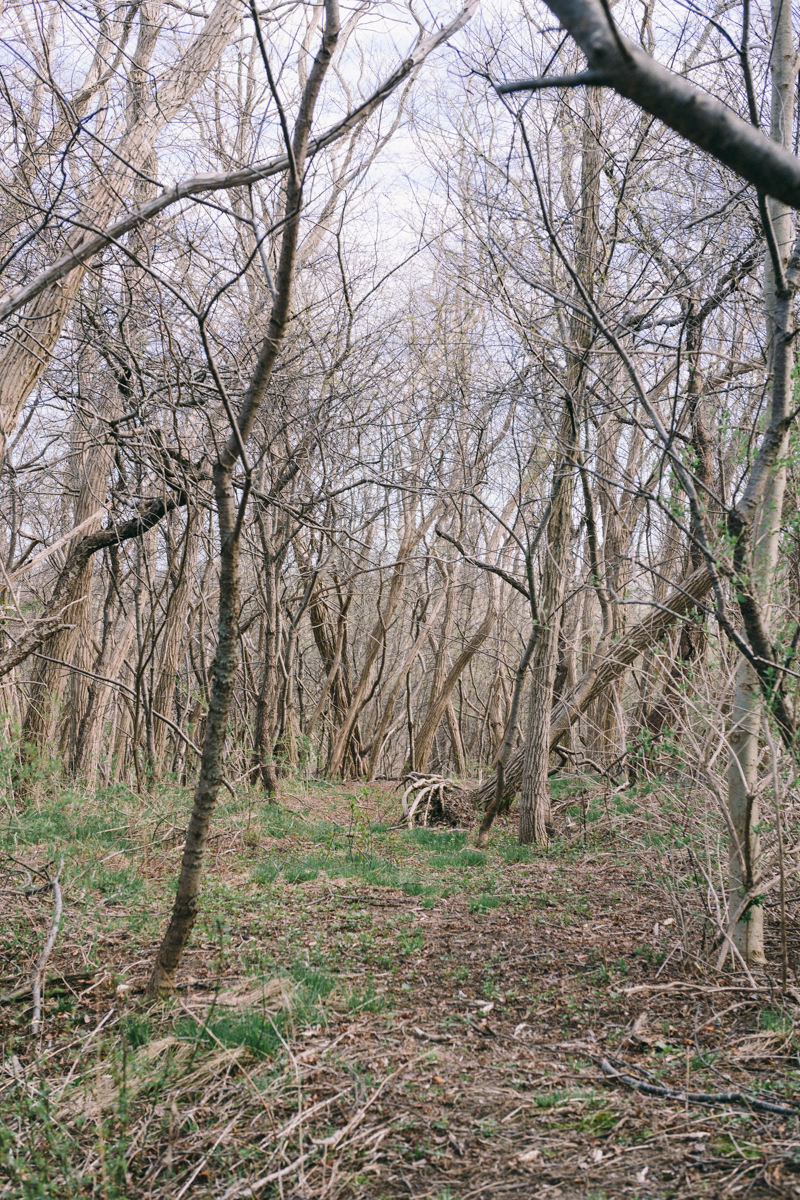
(37, 979)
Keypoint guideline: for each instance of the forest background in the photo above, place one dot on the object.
(397, 396)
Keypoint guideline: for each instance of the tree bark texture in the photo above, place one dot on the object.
(757, 541)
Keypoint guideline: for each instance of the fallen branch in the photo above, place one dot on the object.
(37, 980)
(57, 985)
(658, 1089)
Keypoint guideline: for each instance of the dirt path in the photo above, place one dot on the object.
(433, 1024)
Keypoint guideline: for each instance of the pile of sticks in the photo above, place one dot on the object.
(421, 786)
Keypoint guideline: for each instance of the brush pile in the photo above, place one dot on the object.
(435, 800)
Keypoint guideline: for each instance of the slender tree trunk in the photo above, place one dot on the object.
(748, 704)
(109, 664)
(172, 641)
(534, 807)
(439, 701)
(385, 721)
(262, 764)
(609, 663)
(412, 535)
(230, 518)
(28, 353)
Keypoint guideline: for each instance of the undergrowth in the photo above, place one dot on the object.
(318, 920)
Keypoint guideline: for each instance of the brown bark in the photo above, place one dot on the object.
(534, 809)
(412, 535)
(385, 721)
(616, 62)
(229, 517)
(437, 706)
(171, 643)
(534, 813)
(57, 614)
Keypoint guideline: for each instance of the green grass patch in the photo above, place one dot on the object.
(276, 821)
(772, 1020)
(518, 854)
(367, 1000)
(266, 872)
(137, 1030)
(438, 840)
(253, 1028)
(118, 887)
(379, 872)
(485, 902)
(303, 870)
(314, 984)
(461, 860)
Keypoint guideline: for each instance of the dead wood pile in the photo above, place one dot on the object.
(436, 800)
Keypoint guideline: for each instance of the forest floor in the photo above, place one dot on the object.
(373, 1012)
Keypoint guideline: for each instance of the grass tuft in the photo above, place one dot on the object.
(485, 902)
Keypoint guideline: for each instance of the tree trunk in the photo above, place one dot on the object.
(230, 519)
(437, 705)
(385, 721)
(172, 643)
(40, 326)
(748, 704)
(534, 807)
(262, 765)
(412, 535)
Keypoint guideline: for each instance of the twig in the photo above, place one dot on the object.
(657, 1089)
(56, 983)
(335, 1139)
(37, 980)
